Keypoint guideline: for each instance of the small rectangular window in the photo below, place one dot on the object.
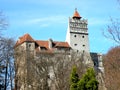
(75, 44)
(83, 45)
(75, 36)
(29, 45)
(82, 36)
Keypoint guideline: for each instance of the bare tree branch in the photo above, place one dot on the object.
(113, 31)
(112, 69)
(6, 60)
(3, 21)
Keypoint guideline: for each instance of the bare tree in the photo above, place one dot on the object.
(6, 58)
(6, 55)
(3, 21)
(112, 69)
(113, 31)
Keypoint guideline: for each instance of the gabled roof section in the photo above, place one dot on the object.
(27, 37)
(42, 43)
(76, 14)
(62, 44)
(45, 44)
(24, 38)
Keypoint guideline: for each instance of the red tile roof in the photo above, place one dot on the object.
(76, 14)
(24, 38)
(41, 43)
(55, 44)
(62, 44)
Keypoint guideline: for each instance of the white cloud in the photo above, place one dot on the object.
(98, 21)
(44, 25)
(46, 21)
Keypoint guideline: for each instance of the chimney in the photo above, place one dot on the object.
(50, 43)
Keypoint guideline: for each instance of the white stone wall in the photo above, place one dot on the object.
(100, 62)
(79, 42)
(68, 35)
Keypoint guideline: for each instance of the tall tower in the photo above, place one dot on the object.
(77, 33)
(24, 54)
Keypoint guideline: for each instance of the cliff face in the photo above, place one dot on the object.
(48, 70)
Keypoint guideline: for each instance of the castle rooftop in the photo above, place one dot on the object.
(24, 38)
(76, 15)
(48, 45)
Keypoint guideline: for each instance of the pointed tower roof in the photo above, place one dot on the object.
(24, 38)
(76, 14)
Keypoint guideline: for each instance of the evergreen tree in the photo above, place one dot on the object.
(88, 81)
(74, 79)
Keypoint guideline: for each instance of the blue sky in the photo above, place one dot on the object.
(44, 19)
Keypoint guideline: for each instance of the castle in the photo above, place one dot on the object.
(77, 40)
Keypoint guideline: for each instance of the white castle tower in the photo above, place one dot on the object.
(77, 33)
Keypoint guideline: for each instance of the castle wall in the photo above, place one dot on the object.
(23, 54)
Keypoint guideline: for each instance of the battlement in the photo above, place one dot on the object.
(78, 21)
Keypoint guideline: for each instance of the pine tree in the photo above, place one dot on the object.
(88, 81)
(74, 78)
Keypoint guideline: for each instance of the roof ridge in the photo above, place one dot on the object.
(27, 37)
